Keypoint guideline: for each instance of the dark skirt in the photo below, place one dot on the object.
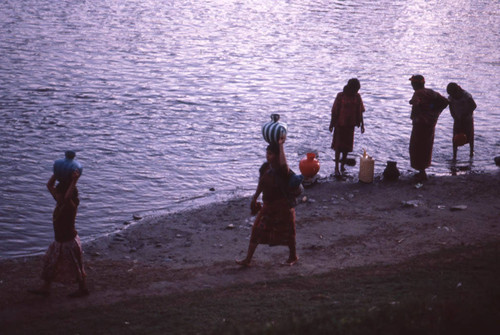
(343, 139)
(421, 142)
(274, 224)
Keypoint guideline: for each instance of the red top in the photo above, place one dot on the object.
(347, 110)
(271, 181)
(427, 105)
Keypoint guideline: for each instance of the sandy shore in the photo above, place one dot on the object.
(339, 225)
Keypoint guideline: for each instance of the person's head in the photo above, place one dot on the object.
(352, 86)
(272, 152)
(454, 90)
(417, 81)
(70, 154)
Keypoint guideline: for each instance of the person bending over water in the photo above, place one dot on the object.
(462, 106)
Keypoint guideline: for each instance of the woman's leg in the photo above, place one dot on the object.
(292, 257)
(251, 249)
(422, 176)
(344, 158)
(337, 159)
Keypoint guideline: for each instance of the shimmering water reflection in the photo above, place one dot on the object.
(164, 100)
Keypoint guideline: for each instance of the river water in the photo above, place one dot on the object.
(163, 101)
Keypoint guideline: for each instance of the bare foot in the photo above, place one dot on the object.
(291, 261)
(242, 262)
(339, 177)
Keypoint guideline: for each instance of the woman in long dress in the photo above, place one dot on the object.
(347, 113)
(427, 105)
(275, 221)
(63, 261)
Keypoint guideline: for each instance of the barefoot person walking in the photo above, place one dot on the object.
(63, 261)
(275, 221)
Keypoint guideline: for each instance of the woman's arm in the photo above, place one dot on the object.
(361, 112)
(258, 191)
(72, 185)
(253, 204)
(335, 112)
(451, 106)
(282, 158)
(473, 105)
(362, 124)
(52, 188)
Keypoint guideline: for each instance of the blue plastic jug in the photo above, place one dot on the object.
(64, 167)
(272, 131)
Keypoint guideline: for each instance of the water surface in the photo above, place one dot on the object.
(164, 100)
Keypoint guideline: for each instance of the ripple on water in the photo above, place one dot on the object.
(164, 103)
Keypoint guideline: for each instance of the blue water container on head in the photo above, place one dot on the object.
(64, 167)
(272, 131)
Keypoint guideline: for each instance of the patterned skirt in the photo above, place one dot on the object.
(274, 224)
(63, 262)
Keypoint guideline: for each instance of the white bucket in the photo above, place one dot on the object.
(366, 168)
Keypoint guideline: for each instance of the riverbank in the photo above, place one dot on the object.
(340, 226)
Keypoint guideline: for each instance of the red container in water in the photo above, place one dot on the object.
(460, 139)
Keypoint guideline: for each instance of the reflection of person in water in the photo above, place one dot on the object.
(63, 261)
(347, 113)
(275, 221)
(462, 106)
(427, 105)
